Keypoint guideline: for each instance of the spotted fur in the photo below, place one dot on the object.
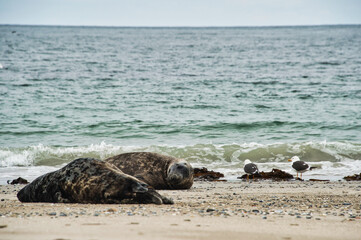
(159, 171)
(87, 180)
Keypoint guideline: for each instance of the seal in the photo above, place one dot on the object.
(157, 170)
(88, 180)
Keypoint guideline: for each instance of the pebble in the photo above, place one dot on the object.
(112, 210)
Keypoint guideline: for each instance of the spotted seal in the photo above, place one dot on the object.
(88, 180)
(157, 170)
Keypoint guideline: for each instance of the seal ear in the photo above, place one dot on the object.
(139, 187)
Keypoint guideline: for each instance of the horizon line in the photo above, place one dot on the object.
(180, 26)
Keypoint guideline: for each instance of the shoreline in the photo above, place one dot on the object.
(209, 210)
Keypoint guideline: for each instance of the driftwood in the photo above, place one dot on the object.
(19, 180)
(355, 177)
(203, 174)
(275, 174)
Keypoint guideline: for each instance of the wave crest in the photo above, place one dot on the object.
(42, 155)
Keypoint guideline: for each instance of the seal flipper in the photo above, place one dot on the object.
(152, 196)
(167, 200)
(139, 187)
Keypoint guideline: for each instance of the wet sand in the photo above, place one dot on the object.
(209, 210)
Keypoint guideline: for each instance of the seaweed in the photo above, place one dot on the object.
(203, 174)
(355, 177)
(19, 180)
(275, 174)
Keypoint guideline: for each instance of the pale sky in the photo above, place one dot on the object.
(180, 12)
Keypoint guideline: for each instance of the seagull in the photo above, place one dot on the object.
(250, 168)
(298, 165)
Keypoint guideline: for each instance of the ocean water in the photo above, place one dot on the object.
(214, 96)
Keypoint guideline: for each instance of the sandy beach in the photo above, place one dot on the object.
(209, 210)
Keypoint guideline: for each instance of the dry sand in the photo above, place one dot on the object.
(218, 210)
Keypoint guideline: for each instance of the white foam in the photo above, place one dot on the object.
(10, 158)
(33, 155)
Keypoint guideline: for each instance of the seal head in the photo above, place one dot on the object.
(178, 175)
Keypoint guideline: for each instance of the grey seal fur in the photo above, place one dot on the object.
(88, 180)
(157, 170)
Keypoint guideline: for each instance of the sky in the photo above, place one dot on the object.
(180, 12)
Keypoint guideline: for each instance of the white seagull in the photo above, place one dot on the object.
(298, 165)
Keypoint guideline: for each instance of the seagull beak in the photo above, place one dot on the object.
(290, 160)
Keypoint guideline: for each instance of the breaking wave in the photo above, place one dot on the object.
(42, 155)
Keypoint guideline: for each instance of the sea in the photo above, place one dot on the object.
(214, 96)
